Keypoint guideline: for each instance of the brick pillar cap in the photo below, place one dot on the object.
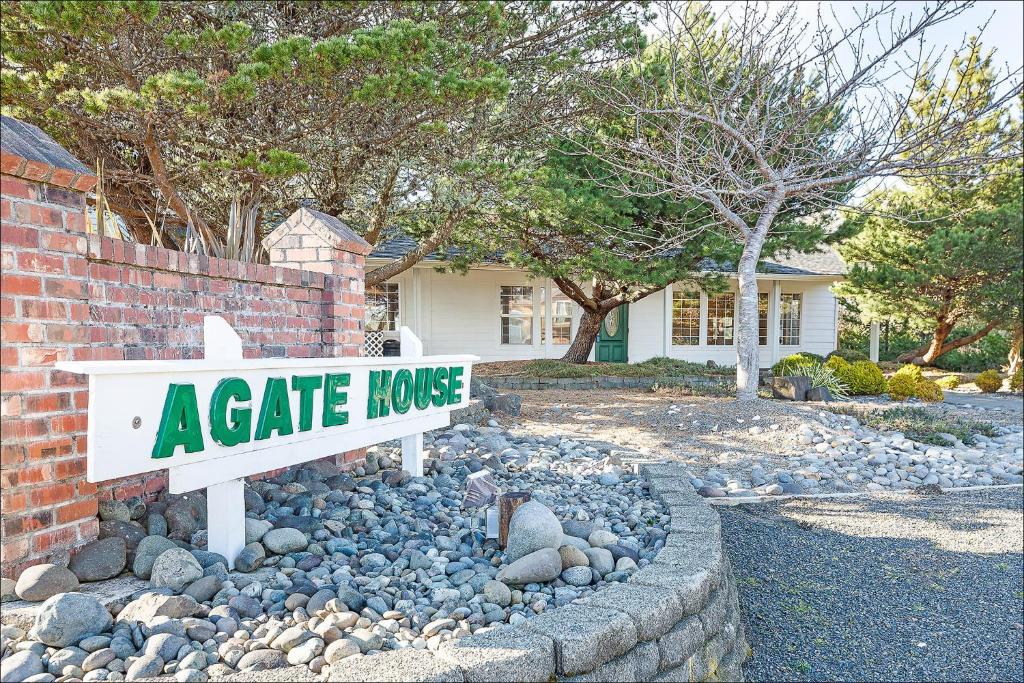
(27, 152)
(330, 229)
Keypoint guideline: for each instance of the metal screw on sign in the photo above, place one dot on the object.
(136, 422)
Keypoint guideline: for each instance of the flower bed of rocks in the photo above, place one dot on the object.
(341, 565)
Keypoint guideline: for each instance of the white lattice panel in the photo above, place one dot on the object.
(374, 344)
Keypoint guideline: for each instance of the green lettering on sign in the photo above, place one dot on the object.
(179, 424)
(334, 398)
(379, 401)
(454, 384)
(276, 412)
(440, 389)
(424, 379)
(230, 389)
(401, 391)
(306, 386)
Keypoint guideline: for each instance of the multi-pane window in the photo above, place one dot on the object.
(685, 318)
(561, 317)
(789, 319)
(762, 319)
(382, 307)
(517, 315)
(720, 320)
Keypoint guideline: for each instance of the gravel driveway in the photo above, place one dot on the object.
(890, 587)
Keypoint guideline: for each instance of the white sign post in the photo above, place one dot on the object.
(212, 422)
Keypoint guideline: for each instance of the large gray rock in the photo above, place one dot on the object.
(146, 666)
(155, 605)
(531, 528)
(175, 569)
(186, 515)
(67, 618)
(43, 581)
(114, 511)
(20, 666)
(251, 558)
(262, 660)
(537, 567)
(67, 656)
(130, 532)
(285, 540)
(600, 559)
(203, 589)
(255, 529)
(793, 388)
(100, 560)
(150, 548)
(165, 646)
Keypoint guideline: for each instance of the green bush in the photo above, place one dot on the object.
(927, 390)
(912, 371)
(948, 382)
(902, 386)
(785, 366)
(1017, 381)
(851, 355)
(991, 350)
(989, 381)
(865, 379)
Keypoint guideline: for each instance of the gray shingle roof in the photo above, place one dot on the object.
(30, 142)
(823, 262)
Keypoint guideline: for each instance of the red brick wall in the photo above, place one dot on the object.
(67, 295)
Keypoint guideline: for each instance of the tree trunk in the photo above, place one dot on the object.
(939, 336)
(586, 335)
(929, 353)
(747, 356)
(424, 249)
(1014, 359)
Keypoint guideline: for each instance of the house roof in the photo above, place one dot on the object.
(823, 262)
(26, 151)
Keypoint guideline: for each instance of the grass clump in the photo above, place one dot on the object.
(921, 424)
(785, 366)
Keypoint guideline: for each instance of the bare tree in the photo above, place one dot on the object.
(755, 110)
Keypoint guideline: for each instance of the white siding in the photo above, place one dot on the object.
(455, 313)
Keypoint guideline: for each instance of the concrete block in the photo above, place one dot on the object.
(639, 664)
(396, 666)
(508, 653)
(654, 611)
(585, 637)
(681, 643)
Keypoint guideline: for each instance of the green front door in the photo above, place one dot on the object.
(612, 340)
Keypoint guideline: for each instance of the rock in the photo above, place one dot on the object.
(191, 676)
(792, 488)
(577, 576)
(100, 560)
(340, 649)
(262, 660)
(165, 646)
(305, 652)
(532, 527)
(599, 538)
(625, 564)
(155, 605)
(285, 540)
(319, 600)
(792, 388)
(253, 501)
(99, 659)
(507, 404)
(66, 657)
(572, 557)
(601, 560)
(186, 515)
(711, 492)
(206, 558)
(255, 529)
(774, 490)
(68, 617)
(539, 566)
(819, 394)
(7, 593)
(114, 511)
(498, 593)
(43, 581)
(20, 666)
(366, 640)
(204, 588)
(131, 533)
(150, 548)
(251, 558)
(577, 529)
(175, 569)
(146, 666)
(247, 607)
(156, 525)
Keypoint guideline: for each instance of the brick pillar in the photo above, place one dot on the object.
(312, 240)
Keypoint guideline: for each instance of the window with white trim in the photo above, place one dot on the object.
(789, 319)
(721, 320)
(516, 314)
(762, 318)
(382, 307)
(561, 317)
(685, 318)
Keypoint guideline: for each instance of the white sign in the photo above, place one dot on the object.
(212, 422)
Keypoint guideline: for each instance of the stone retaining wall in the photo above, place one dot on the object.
(675, 620)
(603, 382)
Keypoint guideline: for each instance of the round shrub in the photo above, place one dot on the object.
(989, 381)
(1017, 381)
(948, 382)
(865, 379)
(912, 371)
(927, 390)
(851, 355)
(902, 386)
(786, 365)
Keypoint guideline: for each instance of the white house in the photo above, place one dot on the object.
(500, 313)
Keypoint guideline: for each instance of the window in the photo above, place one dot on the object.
(762, 319)
(517, 315)
(720, 320)
(789, 320)
(382, 307)
(561, 317)
(685, 318)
